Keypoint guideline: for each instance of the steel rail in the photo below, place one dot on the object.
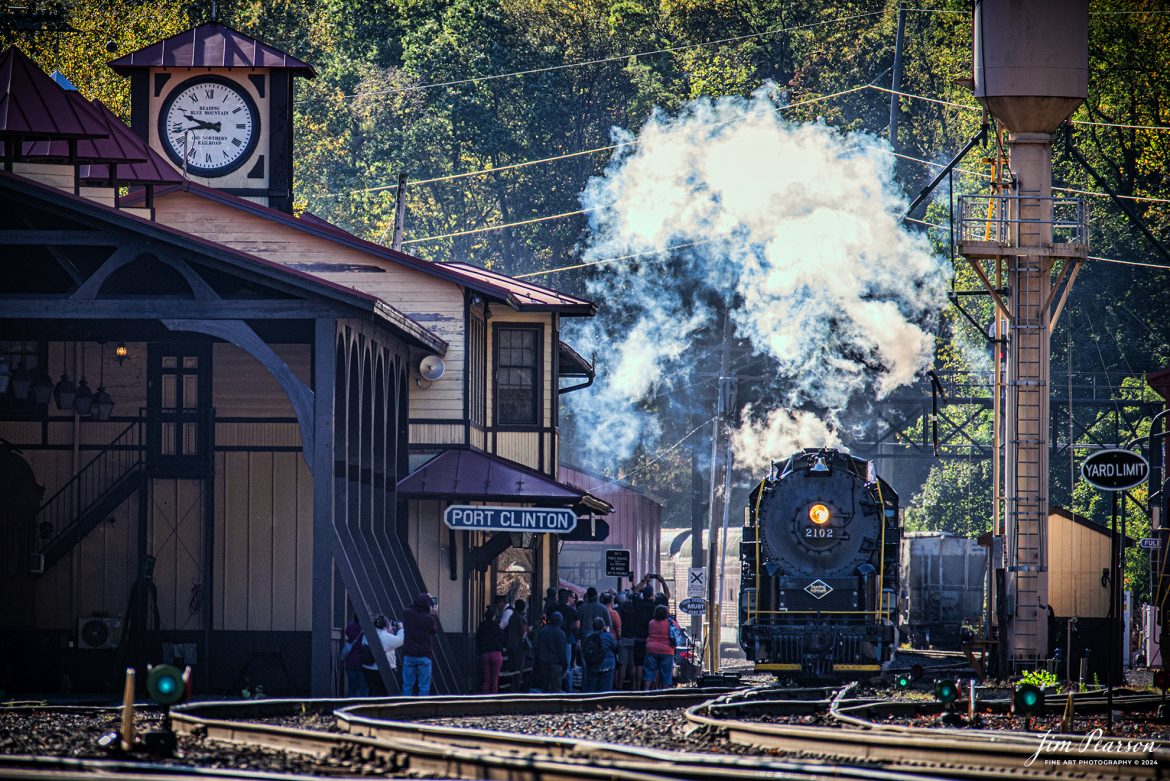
(486, 754)
(949, 752)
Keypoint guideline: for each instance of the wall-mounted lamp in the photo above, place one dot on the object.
(120, 352)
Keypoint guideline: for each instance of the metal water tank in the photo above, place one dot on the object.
(1031, 61)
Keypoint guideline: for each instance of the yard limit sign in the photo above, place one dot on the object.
(1114, 470)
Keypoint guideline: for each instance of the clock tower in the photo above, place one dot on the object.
(218, 105)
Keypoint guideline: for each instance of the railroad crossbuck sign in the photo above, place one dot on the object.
(547, 520)
(697, 582)
(1115, 469)
(617, 563)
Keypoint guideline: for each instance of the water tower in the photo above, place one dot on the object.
(1031, 72)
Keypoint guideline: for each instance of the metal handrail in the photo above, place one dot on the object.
(120, 457)
(996, 218)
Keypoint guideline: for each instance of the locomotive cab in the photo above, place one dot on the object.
(819, 567)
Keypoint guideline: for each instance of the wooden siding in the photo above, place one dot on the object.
(175, 539)
(60, 176)
(244, 388)
(263, 542)
(1077, 555)
(428, 538)
(433, 302)
(437, 433)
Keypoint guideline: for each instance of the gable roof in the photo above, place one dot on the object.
(152, 170)
(357, 302)
(33, 106)
(118, 146)
(1081, 520)
(210, 45)
(521, 296)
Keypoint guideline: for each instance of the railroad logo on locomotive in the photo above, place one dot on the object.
(818, 588)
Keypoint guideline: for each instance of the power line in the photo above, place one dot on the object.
(661, 454)
(566, 155)
(501, 227)
(613, 58)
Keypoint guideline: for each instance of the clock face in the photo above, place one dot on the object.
(210, 121)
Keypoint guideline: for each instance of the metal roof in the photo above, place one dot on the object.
(210, 45)
(119, 145)
(473, 475)
(153, 169)
(33, 106)
(523, 295)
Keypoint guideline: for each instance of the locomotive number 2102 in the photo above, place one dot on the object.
(814, 531)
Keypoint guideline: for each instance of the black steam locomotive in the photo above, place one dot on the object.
(819, 566)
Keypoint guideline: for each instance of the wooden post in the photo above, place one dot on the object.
(399, 211)
(128, 712)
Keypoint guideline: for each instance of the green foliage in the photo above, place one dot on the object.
(956, 499)
(1041, 678)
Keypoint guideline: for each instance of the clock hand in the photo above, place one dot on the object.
(201, 125)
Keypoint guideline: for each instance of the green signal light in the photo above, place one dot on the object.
(946, 691)
(1029, 699)
(904, 681)
(165, 684)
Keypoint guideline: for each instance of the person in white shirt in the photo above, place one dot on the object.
(391, 637)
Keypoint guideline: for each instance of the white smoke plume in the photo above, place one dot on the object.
(781, 432)
(794, 228)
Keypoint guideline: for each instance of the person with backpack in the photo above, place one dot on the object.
(600, 651)
(659, 662)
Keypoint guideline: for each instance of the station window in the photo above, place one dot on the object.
(517, 391)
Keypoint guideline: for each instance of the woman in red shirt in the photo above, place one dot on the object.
(659, 663)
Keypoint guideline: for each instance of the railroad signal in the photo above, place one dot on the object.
(165, 684)
(1162, 679)
(904, 680)
(946, 691)
(1029, 699)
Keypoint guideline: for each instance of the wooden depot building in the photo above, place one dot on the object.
(224, 428)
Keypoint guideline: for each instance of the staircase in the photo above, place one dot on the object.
(88, 499)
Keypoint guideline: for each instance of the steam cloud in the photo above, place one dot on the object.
(794, 229)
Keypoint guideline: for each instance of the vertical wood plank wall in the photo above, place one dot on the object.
(1076, 556)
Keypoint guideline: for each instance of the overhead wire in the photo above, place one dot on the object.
(612, 58)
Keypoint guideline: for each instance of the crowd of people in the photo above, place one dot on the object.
(604, 641)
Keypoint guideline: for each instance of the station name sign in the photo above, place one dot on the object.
(1115, 469)
(547, 520)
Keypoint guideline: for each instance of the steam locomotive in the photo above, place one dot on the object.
(819, 566)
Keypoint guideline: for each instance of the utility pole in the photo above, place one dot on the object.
(896, 79)
(718, 432)
(399, 212)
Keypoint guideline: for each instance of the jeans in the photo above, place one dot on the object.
(660, 666)
(416, 670)
(599, 680)
(355, 683)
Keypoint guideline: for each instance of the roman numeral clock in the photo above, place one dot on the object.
(218, 105)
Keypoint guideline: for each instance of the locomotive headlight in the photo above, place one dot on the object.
(819, 514)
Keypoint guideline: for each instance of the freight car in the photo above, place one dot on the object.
(819, 564)
(943, 583)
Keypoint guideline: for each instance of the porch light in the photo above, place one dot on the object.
(64, 393)
(83, 399)
(103, 404)
(120, 352)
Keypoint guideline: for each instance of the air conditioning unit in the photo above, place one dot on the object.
(98, 632)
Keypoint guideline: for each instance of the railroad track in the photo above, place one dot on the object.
(961, 753)
(389, 734)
